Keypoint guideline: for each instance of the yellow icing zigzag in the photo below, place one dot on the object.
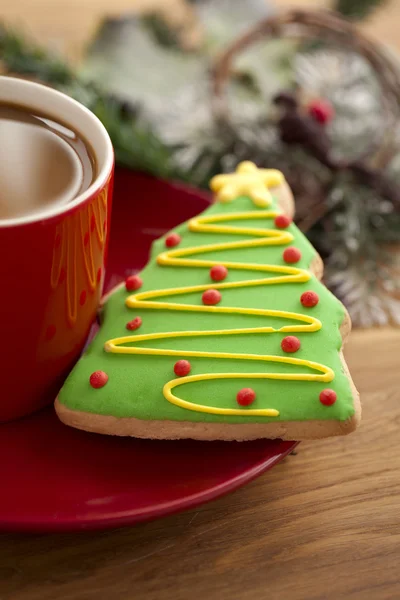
(281, 274)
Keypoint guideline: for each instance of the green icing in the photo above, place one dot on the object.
(135, 384)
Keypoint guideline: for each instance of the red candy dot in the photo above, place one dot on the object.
(172, 240)
(82, 297)
(211, 297)
(309, 299)
(86, 238)
(98, 275)
(290, 343)
(182, 368)
(98, 379)
(133, 282)
(291, 255)
(218, 273)
(50, 332)
(245, 396)
(327, 397)
(134, 324)
(282, 221)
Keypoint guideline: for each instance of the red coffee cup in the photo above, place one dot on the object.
(51, 267)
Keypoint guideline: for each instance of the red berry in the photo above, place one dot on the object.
(134, 324)
(309, 299)
(282, 221)
(172, 240)
(321, 110)
(218, 272)
(182, 368)
(327, 397)
(290, 343)
(133, 282)
(245, 396)
(211, 297)
(98, 379)
(291, 255)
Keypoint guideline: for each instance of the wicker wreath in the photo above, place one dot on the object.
(327, 26)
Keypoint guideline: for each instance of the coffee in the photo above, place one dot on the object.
(43, 164)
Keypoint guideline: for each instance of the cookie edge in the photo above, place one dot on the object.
(171, 430)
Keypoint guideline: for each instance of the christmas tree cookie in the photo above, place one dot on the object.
(226, 334)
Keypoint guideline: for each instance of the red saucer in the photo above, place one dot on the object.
(54, 478)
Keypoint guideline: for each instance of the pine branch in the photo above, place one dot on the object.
(135, 145)
(357, 9)
(162, 32)
(20, 56)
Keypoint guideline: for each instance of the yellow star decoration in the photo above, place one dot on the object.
(248, 180)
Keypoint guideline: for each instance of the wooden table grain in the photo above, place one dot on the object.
(322, 525)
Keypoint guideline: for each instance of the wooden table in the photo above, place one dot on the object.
(324, 524)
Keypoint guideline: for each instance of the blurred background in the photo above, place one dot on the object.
(57, 24)
(187, 88)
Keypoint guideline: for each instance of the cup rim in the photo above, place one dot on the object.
(101, 177)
